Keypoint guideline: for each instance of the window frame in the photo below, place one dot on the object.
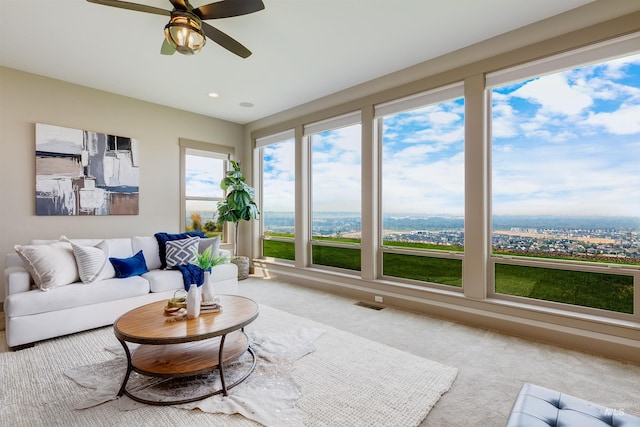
(424, 99)
(191, 147)
(260, 143)
(478, 269)
(580, 57)
(310, 129)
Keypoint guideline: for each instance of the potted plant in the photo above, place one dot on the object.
(237, 206)
(206, 261)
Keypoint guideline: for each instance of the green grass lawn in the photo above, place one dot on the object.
(337, 257)
(277, 249)
(427, 269)
(596, 290)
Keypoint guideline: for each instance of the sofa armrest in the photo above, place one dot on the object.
(16, 280)
(225, 253)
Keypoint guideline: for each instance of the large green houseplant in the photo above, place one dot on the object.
(238, 205)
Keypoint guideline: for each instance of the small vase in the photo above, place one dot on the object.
(193, 302)
(208, 294)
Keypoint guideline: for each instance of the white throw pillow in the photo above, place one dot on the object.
(149, 247)
(183, 251)
(91, 260)
(214, 242)
(51, 265)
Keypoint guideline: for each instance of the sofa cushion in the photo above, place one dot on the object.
(51, 265)
(74, 295)
(149, 247)
(91, 260)
(164, 280)
(224, 271)
(182, 251)
(167, 280)
(127, 267)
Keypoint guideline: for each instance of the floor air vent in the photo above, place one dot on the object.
(367, 305)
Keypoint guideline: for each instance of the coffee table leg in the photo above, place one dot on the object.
(129, 368)
(224, 386)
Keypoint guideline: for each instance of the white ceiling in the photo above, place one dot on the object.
(302, 49)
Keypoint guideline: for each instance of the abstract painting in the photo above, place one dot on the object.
(80, 172)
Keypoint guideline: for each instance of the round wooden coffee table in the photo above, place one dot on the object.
(185, 347)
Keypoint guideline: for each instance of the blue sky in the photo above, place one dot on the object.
(567, 143)
(279, 177)
(423, 160)
(203, 178)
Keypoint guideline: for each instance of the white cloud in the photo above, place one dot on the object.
(422, 185)
(203, 176)
(503, 124)
(443, 118)
(586, 179)
(336, 170)
(555, 95)
(278, 183)
(624, 121)
(564, 144)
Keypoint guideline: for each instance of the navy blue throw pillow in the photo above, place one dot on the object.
(127, 267)
(163, 238)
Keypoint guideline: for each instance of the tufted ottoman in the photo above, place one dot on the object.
(537, 406)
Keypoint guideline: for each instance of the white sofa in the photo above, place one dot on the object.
(32, 314)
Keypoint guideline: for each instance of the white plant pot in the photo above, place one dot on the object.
(193, 302)
(208, 295)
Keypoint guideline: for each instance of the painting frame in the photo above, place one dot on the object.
(85, 173)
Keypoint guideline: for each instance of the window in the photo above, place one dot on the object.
(422, 152)
(524, 180)
(566, 181)
(277, 195)
(204, 166)
(335, 148)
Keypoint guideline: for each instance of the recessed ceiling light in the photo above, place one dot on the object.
(213, 95)
(246, 104)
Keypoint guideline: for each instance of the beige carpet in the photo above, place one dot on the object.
(347, 381)
(492, 366)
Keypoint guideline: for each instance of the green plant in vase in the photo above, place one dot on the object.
(206, 261)
(238, 205)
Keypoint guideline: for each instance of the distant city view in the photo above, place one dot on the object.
(615, 238)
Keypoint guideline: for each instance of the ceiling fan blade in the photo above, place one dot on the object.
(179, 4)
(225, 41)
(132, 6)
(167, 48)
(228, 8)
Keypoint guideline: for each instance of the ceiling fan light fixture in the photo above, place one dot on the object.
(184, 32)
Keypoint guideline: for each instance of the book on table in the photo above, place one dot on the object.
(210, 308)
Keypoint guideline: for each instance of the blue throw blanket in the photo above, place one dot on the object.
(191, 273)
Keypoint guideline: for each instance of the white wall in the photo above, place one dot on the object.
(26, 99)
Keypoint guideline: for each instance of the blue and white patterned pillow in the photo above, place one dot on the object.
(180, 252)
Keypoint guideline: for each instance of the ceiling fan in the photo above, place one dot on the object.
(186, 32)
